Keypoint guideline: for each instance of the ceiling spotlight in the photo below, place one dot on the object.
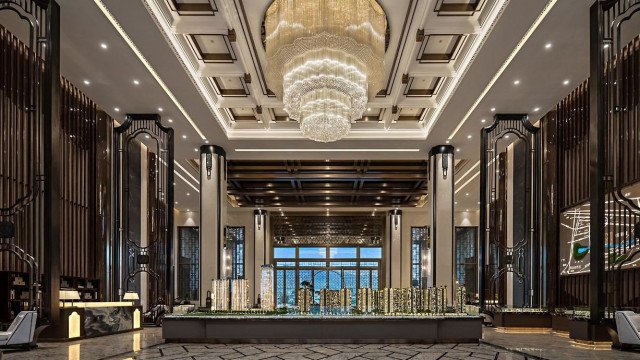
(456, 203)
(548, 46)
(468, 136)
(448, 141)
(368, 109)
(160, 109)
(147, 136)
(104, 45)
(606, 46)
(516, 82)
(483, 121)
(188, 210)
(170, 120)
(184, 136)
(196, 149)
(457, 150)
(176, 203)
(188, 194)
(116, 109)
(536, 109)
(493, 109)
(206, 141)
(86, 82)
(466, 194)
(506, 136)
(136, 82)
(566, 82)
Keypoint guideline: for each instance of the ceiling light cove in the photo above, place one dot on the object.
(505, 64)
(353, 150)
(324, 63)
(123, 34)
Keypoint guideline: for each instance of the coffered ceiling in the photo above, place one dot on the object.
(430, 44)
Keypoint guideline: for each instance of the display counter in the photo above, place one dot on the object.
(322, 329)
(89, 319)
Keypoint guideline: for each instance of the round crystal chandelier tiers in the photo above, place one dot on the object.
(324, 59)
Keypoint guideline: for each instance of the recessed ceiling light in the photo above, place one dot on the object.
(176, 203)
(86, 82)
(548, 46)
(469, 136)
(536, 109)
(466, 194)
(104, 45)
(457, 150)
(188, 194)
(467, 210)
(206, 141)
(196, 149)
(483, 120)
(493, 109)
(516, 82)
(447, 141)
(456, 203)
(188, 210)
(170, 120)
(136, 82)
(368, 109)
(506, 136)
(184, 136)
(566, 82)
(116, 109)
(147, 136)
(606, 46)
(160, 109)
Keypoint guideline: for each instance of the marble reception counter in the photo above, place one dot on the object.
(322, 329)
(89, 319)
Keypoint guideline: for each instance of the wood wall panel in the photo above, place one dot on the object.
(85, 171)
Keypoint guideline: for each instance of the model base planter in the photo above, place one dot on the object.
(560, 323)
(326, 329)
(522, 320)
(581, 329)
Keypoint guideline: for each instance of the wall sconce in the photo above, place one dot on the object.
(445, 165)
(209, 163)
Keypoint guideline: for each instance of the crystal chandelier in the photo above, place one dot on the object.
(324, 59)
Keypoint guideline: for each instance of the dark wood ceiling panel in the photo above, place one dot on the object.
(339, 183)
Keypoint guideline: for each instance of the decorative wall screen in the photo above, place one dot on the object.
(235, 243)
(521, 259)
(419, 246)
(152, 255)
(188, 262)
(466, 255)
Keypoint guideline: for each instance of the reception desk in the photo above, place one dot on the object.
(322, 329)
(80, 320)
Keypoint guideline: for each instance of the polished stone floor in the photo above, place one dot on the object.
(148, 344)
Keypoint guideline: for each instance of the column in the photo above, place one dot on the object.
(395, 249)
(260, 249)
(441, 261)
(213, 205)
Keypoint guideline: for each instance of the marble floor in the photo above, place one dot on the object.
(148, 344)
(551, 346)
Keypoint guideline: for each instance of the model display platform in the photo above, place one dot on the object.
(221, 328)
